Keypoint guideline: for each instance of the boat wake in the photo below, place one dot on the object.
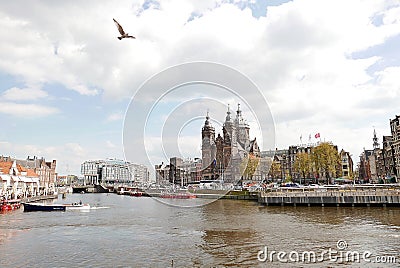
(98, 207)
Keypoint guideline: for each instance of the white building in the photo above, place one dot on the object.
(140, 173)
(113, 171)
(17, 181)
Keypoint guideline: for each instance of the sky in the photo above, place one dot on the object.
(324, 66)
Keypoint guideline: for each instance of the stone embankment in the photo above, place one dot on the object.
(339, 196)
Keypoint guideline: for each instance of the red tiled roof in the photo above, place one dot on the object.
(21, 168)
(5, 167)
(31, 173)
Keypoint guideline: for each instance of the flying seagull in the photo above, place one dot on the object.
(121, 31)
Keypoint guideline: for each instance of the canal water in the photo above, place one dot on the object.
(126, 231)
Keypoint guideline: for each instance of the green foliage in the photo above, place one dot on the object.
(249, 166)
(303, 164)
(275, 170)
(288, 178)
(326, 160)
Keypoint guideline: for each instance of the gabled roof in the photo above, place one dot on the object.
(31, 173)
(5, 167)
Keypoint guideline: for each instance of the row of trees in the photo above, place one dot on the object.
(323, 162)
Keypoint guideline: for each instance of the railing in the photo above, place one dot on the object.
(319, 193)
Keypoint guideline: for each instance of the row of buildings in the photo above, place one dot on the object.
(225, 156)
(35, 176)
(382, 164)
(26, 177)
(187, 171)
(113, 171)
(179, 171)
(286, 159)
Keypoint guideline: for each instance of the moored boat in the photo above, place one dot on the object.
(136, 193)
(178, 195)
(28, 207)
(8, 205)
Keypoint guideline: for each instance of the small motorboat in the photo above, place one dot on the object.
(76, 206)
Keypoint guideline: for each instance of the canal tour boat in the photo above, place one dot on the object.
(8, 205)
(28, 207)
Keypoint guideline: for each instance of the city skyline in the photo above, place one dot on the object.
(65, 84)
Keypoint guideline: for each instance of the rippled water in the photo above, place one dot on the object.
(141, 232)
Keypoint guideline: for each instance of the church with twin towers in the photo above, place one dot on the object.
(223, 155)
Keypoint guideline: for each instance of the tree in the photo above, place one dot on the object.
(326, 160)
(302, 164)
(275, 170)
(251, 166)
(288, 177)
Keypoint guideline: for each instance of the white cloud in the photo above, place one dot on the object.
(115, 117)
(109, 144)
(305, 35)
(301, 55)
(26, 110)
(75, 148)
(69, 155)
(18, 94)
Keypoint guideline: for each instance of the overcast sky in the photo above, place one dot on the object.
(324, 66)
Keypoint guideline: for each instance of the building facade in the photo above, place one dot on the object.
(45, 170)
(162, 174)
(389, 169)
(364, 166)
(395, 131)
(222, 156)
(17, 181)
(113, 171)
(179, 171)
(140, 173)
(91, 171)
(381, 165)
(283, 166)
(347, 164)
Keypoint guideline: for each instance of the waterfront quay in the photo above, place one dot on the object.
(39, 198)
(368, 195)
(326, 195)
(223, 194)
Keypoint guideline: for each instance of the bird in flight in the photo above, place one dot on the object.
(122, 32)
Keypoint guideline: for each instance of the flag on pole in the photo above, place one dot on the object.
(317, 135)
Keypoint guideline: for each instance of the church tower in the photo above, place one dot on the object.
(243, 130)
(208, 149)
(230, 148)
(375, 141)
